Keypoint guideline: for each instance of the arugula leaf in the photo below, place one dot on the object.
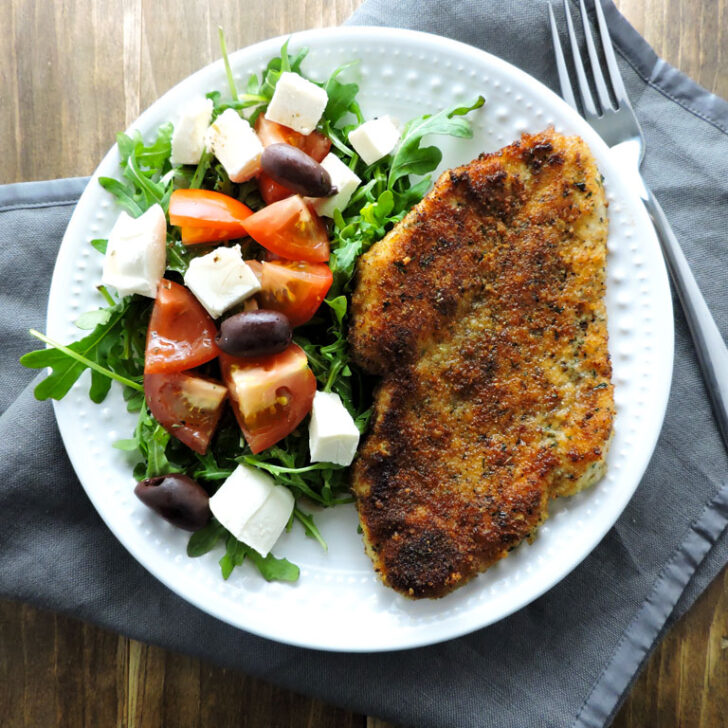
(134, 399)
(100, 386)
(107, 296)
(152, 156)
(100, 245)
(146, 169)
(235, 553)
(152, 441)
(204, 540)
(270, 567)
(178, 256)
(410, 158)
(341, 96)
(306, 520)
(338, 305)
(295, 64)
(124, 196)
(91, 319)
(420, 160)
(201, 170)
(298, 477)
(125, 444)
(148, 190)
(68, 362)
(355, 234)
(157, 462)
(226, 61)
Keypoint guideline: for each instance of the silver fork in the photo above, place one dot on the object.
(619, 128)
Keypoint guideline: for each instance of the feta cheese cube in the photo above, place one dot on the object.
(188, 138)
(332, 434)
(267, 524)
(374, 139)
(136, 254)
(221, 279)
(343, 179)
(253, 508)
(232, 140)
(297, 103)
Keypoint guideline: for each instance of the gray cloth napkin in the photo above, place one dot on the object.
(567, 659)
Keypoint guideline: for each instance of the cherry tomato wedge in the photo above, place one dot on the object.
(187, 406)
(295, 288)
(181, 334)
(270, 394)
(290, 229)
(270, 190)
(315, 144)
(207, 216)
(194, 235)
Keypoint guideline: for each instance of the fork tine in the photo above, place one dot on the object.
(620, 93)
(604, 100)
(584, 91)
(567, 91)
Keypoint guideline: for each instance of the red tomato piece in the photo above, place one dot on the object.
(270, 190)
(181, 334)
(270, 394)
(206, 216)
(290, 229)
(315, 144)
(295, 288)
(187, 406)
(195, 235)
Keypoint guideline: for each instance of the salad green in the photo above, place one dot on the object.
(115, 347)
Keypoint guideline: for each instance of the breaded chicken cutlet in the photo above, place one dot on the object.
(483, 312)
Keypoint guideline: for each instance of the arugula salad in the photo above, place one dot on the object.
(227, 279)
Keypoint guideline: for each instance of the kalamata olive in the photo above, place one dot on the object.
(255, 333)
(177, 498)
(295, 170)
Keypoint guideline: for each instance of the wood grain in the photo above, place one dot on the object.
(690, 34)
(74, 72)
(96, 82)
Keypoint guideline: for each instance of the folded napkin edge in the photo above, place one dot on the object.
(41, 193)
(641, 636)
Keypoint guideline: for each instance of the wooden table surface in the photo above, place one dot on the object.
(73, 72)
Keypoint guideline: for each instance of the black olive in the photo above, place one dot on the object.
(177, 498)
(255, 333)
(295, 170)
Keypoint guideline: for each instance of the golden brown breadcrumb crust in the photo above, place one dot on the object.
(483, 312)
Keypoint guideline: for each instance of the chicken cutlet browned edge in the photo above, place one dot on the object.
(483, 312)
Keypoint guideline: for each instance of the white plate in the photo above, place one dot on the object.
(338, 603)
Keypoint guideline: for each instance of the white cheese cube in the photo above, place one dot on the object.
(374, 139)
(332, 434)
(297, 103)
(221, 279)
(136, 254)
(239, 497)
(232, 140)
(343, 179)
(253, 508)
(267, 523)
(188, 138)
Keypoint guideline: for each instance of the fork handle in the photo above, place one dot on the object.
(709, 344)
